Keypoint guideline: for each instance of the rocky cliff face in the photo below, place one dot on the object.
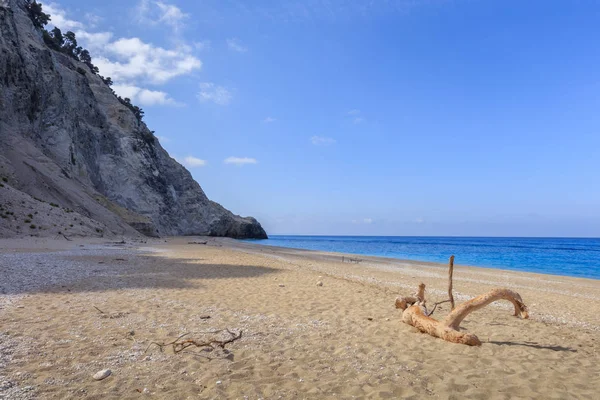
(66, 139)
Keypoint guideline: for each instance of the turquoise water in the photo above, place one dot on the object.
(578, 257)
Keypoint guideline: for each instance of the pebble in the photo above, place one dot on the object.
(105, 373)
(219, 382)
(320, 283)
(281, 285)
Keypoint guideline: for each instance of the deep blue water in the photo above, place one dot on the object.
(558, 256)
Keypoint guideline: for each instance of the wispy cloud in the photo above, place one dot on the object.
(366, 221)
(164, 139)
(158, 12)
(193, 162)
(92, 20)
(214, 93)
(239, 161)
(322, 141)
(202, 45)
(355, 116)
(236, 45)
(268, 120)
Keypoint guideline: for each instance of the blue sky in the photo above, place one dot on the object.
(472, 117)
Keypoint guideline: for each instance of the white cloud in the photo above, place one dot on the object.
(268, 120)
(236, 45)
(95, 42)
(419, 220)
(322, 141)
(59, 18)
(368, 220)
(193, 162)
(131, 62)
(217, 94)
(163, 139)
(131, 58)
(239, 161)
(143, 96)
(358, 120)
(354, 112)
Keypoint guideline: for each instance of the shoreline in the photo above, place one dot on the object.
(71, 309)
(392, 260)
(423, 261)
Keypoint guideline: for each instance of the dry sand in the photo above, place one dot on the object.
(344, 339)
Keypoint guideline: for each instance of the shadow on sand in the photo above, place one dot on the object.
(535, 346)
(56, 273)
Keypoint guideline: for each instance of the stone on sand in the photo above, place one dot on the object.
(105, 373)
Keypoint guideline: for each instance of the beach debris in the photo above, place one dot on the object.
(415, 312)
(351, 260)
(450, 272)
(179, 345)
(281, 285)
(320, 283)
(103, 374)
(204, 317)
(111, 315)
(205, 242)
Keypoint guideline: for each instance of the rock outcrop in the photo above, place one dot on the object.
(66, 139)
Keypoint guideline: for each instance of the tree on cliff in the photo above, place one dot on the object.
(107, 81)
(38, 17)
(69, 45)
(57, 38)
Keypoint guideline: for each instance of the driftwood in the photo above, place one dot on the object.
(450, 272)
(415, 312)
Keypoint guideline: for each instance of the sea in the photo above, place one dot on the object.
(578, 257)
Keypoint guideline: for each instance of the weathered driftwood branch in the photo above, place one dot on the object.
(450, 272)
(415, 314)
(418, 297)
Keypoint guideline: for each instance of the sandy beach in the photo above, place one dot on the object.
(71, 309)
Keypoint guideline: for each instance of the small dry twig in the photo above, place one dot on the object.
(435, 306)
(179, 345)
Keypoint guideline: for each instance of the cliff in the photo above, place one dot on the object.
(67, 143)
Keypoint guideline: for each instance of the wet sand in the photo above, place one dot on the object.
(70, 309)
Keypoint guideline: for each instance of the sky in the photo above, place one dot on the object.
(333, 117)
